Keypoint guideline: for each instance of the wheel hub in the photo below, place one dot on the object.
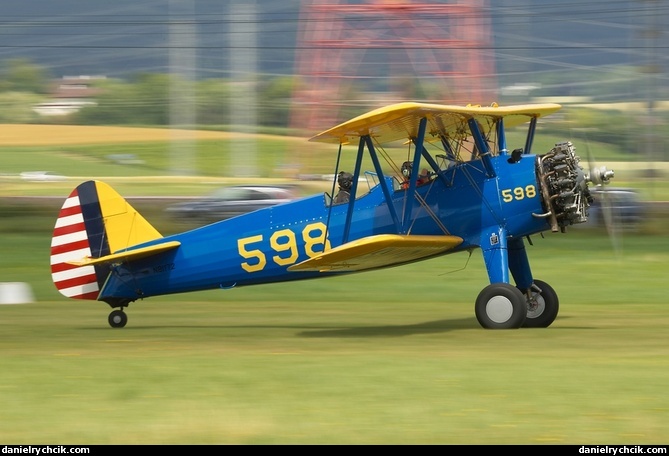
(535, 306)
(499, 309)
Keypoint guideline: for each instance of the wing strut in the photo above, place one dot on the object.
(418, 141)
(530, 135)
(382, 180)
(435, 166)
(354, 189)
(332, 192)
(366, 140)
(482, 145)
(501, 137)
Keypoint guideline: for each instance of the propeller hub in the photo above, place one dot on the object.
(600, 175)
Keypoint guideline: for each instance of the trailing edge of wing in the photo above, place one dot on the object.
(378, 251)
(128, 254)
(400, 121)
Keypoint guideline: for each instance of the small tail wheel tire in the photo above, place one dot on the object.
(501, 306)
(117, 319)
(543, 305)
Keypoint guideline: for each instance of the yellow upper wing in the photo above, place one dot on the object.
(378, 251)
(400, 121)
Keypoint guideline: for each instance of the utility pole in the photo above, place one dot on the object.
(182, 62)
(650, 36)
(243, 53)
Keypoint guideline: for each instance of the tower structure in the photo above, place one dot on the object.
(387, 51)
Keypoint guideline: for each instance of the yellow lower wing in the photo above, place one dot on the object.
(378, 251)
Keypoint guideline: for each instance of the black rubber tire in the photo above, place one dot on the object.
(117, 319)
(501, 306)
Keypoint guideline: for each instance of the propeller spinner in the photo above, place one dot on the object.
(599, 175)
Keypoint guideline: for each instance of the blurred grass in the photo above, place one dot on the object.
(384, 357)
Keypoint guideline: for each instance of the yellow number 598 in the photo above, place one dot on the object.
(518, 193)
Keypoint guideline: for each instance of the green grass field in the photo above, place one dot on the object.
(384, 357)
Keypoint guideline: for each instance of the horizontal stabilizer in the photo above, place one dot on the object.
(128, 255)
(378, 251)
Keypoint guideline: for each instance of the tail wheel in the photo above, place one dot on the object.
(542, 305)
(501, 306)
(117, 319)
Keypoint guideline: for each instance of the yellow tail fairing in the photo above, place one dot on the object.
(378, 251)
(400, 121)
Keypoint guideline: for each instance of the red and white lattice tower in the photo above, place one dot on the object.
(398, 50)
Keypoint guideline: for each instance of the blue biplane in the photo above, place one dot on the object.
(475, 193)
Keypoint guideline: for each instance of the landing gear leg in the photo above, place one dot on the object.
(541, 300)
(117, 318)
(500, 305)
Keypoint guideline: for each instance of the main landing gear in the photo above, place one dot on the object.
(503, 306)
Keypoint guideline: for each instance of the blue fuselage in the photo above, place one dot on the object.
(258, 247)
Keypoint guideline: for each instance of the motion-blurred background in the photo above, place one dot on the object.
(296, 67)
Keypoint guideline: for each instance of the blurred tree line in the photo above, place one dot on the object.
(145, 98)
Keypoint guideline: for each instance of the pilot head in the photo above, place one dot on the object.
(406, 169)
(345, 180)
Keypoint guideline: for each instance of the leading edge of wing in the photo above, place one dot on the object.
(400, 121)
(378, 251)
(128, 254)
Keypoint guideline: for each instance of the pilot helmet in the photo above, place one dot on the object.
(406, 169)
(345, 180)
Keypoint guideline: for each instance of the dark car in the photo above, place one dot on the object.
(625, 208)
(227, 202)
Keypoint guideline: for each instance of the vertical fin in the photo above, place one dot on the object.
(94, 221)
